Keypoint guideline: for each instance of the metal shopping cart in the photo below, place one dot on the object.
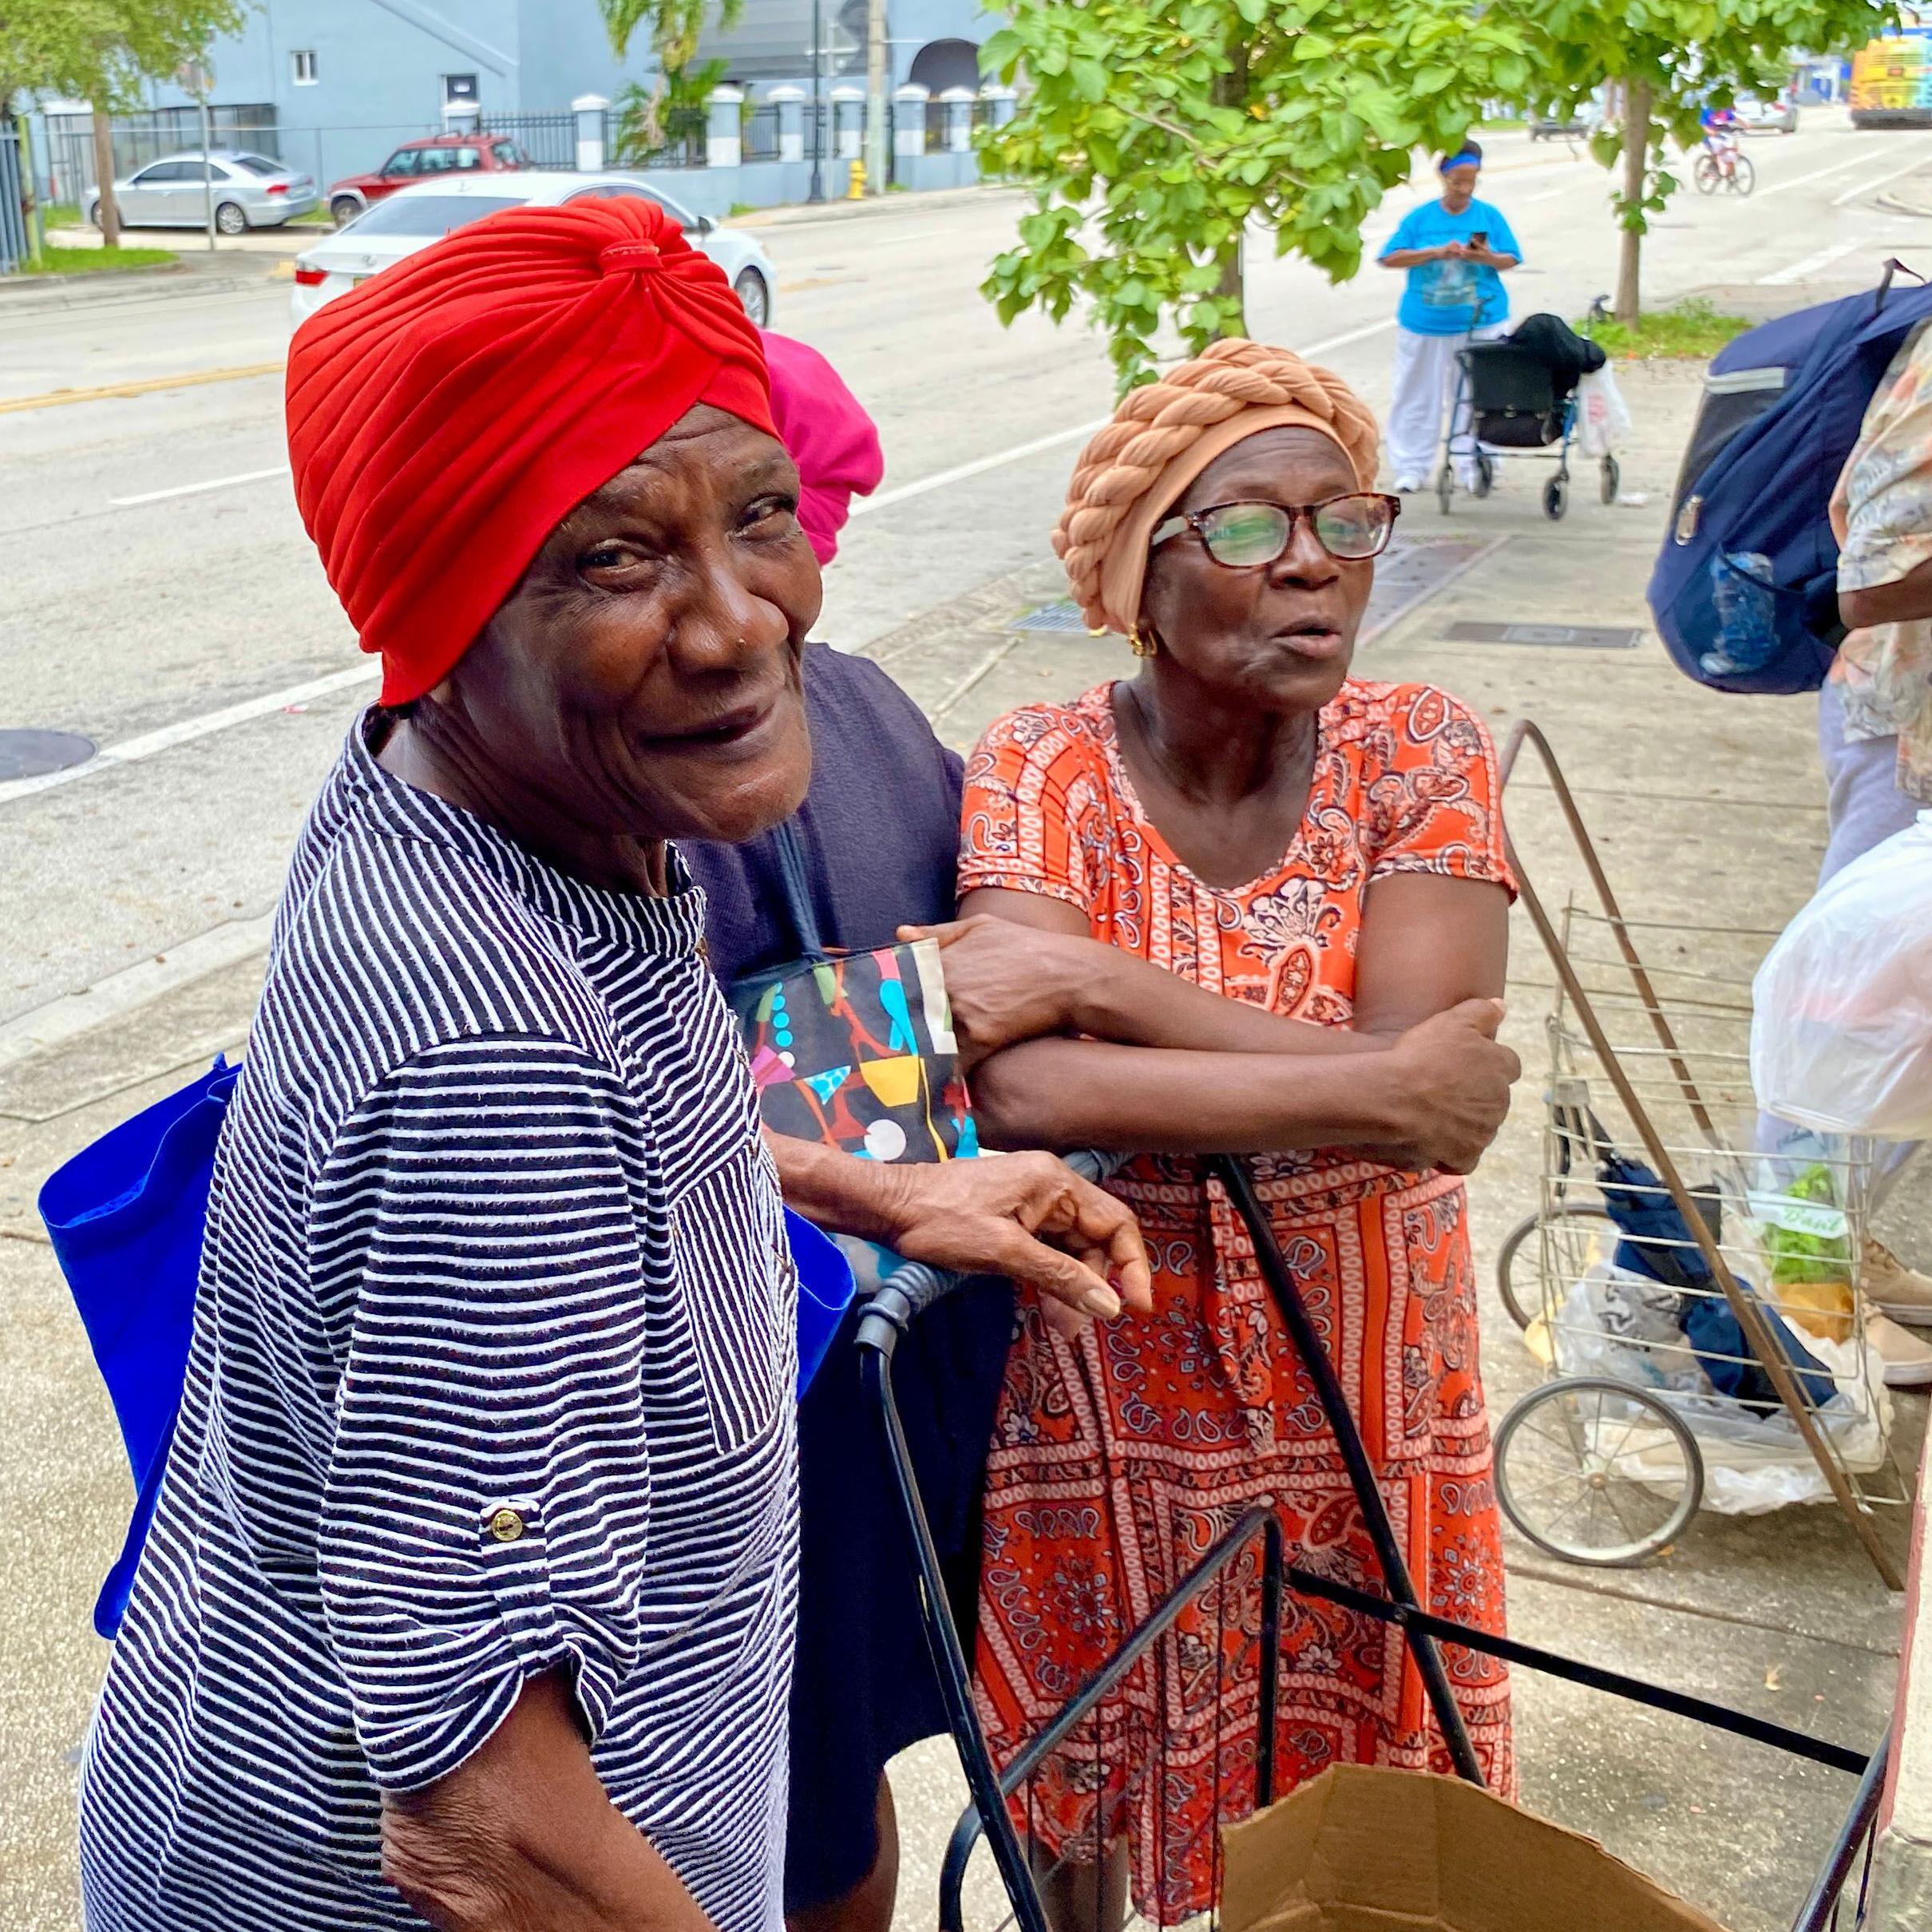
(1250, 1583)
(1691, 1278)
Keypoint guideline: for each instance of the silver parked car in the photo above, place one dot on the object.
(250, 192)
(426, 211)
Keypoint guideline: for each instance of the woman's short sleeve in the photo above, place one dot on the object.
(1034, 816)
(1435, 801)
(486, 1513)
(1882, 507)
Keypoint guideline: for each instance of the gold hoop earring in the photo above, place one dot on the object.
(1143, 642)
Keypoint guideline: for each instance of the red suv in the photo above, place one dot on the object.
(417, 160)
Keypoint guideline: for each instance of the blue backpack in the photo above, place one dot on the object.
(1745, 591)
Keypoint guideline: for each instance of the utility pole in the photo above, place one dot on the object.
(818, 102)
(878, 144)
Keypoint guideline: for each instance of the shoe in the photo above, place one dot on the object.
(1408, 486)
(1900, 1292)
(1908, 1361)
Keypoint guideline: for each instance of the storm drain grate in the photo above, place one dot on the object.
(1574, 637)
(32, 754)
(1063, 616)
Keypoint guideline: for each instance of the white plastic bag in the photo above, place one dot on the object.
(1841, 1027)
(1616, 1323)
(1603, 423)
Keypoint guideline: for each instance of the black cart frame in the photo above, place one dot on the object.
(916, 1287)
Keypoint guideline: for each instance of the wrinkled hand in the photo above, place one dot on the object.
(1008, 982)
(1452, 1079)
(1455, 251)
(1029, 1215)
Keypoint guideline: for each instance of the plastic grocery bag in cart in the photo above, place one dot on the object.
(1603, 420)
(1625, 1325)
(1841, 1028)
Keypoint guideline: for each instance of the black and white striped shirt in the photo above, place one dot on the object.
(492, 1374)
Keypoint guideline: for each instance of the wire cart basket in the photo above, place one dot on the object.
(1691, 1278)
(1246, 1588)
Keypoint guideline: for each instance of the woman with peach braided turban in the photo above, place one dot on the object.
(1324, 853)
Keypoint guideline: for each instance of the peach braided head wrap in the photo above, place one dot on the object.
(1163, 435)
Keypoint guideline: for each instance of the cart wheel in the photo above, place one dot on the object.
(1612, 479)
(1597, 1471)
(1556, 498)
(1524, 1299)
(1485, 474)
(1445, 486)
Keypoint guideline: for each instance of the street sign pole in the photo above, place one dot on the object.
(207, 173)
(193, 77)
(818, 103)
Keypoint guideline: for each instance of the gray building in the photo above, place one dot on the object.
(332, 86)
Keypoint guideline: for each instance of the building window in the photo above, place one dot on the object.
(302, 65)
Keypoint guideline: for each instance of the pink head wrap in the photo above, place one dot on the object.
(827, 433)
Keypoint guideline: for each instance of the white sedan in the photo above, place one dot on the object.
(414, 216)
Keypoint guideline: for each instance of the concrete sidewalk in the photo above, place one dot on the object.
(1705, 807)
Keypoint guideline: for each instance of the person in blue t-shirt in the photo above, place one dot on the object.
(1454, 250)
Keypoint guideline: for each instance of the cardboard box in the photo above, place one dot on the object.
(1361, 1850)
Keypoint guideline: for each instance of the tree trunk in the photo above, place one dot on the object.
(1635, 165)
(103, 174)
(1233, 321)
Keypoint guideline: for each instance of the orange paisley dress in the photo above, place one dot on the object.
(1118, 1461)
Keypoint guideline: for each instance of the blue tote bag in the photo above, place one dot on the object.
(127, 1216)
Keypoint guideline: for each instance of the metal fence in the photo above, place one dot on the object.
(14, 246)
(142, 138)
(549, 139)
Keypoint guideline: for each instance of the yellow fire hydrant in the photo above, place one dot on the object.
(855, 187)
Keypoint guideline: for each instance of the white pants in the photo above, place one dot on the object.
(1426, 376)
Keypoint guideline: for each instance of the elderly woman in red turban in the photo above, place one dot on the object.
(470, 1595)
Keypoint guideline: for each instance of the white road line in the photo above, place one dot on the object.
(195, 489)
(1865, 188)
(1820, 174)
(1797, 272)
(940, 479)
(131, 750)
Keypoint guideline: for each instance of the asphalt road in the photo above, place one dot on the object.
(157, 579)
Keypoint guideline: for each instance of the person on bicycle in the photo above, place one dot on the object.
(1720, 126)
(1454, 251)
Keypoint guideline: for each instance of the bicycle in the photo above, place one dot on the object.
(1723, 164)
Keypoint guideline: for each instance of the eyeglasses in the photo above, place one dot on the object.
(1245, 536)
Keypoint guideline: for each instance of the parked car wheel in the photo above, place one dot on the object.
(230, 219)
(752, 291)
(93, 212)
(344, 209)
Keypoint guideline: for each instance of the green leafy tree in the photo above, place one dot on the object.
(1156, 138)
(102, 51)
(672, 107)
(1666, 61)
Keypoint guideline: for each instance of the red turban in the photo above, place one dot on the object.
(447, 415)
